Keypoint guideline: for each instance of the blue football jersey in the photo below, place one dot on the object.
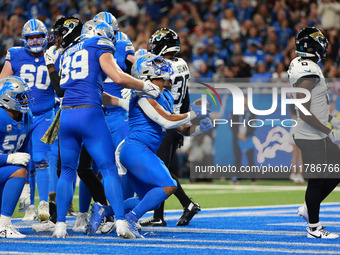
(142, 128)
(13, 134)
(34, 72)
(123, 48)
(81, 75)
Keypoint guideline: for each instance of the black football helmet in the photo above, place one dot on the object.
(311, 42)
(164, 40)
(69, 28)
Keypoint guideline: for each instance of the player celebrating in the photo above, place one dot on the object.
(82, 121)
(311, 134)
(28, 62)
(148, 118)
(165, 42)
(15, 124)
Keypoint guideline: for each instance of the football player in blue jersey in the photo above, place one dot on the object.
(148, 120)
(28, 63)
(15, 125)
(84, 67)
(116, 118)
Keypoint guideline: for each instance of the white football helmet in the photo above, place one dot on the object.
(15, 94)
(34, 27)
(150, 66)
(97, 28)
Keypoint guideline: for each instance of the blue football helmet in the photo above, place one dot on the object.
(150, 66)
(109, 19)
(15, 94)
(34, 27)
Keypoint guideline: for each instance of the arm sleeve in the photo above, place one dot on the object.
(185, 103)
(151, 112)
(55, 80)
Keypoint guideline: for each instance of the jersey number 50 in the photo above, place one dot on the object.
(79, 64)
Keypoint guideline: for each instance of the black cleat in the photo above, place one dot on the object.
(152, 222)
(189, 212)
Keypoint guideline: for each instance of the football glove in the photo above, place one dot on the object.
(51, 55)
(205, 125)
(126, 93)
(18, 158)
(25, 198)
(334, 135)
(335, 122)
(124, 103)
(151, 89)
(196, 112)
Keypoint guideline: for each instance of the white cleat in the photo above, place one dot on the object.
(303, 212)
(321, 233)
(46, 226)
(43, 211)
(30, 214)
(60, 230)
(81, 223)
(10, 232)
(123, 230)
(108, 227)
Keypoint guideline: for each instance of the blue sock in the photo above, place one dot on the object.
(11, 194)
(130, 203)
(126, 187)
(43, 183)
(32, 186)
(53, 172)
(64, 192)
(84, 197)
(150, 201)
(113, 189)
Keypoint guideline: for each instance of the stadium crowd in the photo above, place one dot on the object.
(219, 39)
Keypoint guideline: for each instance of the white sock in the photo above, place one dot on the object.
(5, 221)
(314, 225)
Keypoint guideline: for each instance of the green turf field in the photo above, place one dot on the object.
(222, 193)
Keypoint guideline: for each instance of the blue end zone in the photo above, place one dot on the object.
(256, 230)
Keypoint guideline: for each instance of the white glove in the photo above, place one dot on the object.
(18, 158)
(124, 103)
(335, 122)
(126, 93)
(25, 198)
(151, 89)
(334, 135)
(51, 55)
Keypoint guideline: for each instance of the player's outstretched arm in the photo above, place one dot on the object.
(162, 117)
(193, 130)
(51, 55)
(6, 70)
(109, 100)
(110, 67)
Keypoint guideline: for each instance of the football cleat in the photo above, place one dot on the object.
(123, 230)
(81, 222)
(107, 226)
(320, 233)
(46, 226)
(132, 221)
(43, 211)
(30, 214)
(96, 218)
(189, 212)
(60, 230)
(153, 222)
(303, 212)
(10, 232)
